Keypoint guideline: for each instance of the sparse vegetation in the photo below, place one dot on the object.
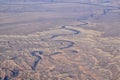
(59, 40)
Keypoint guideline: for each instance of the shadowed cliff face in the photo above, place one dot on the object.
(59, 40)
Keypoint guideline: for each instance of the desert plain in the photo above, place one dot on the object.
(59, 40)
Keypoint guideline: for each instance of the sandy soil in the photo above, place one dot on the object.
(60, 40)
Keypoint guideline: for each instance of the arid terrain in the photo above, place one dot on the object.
(59, 40)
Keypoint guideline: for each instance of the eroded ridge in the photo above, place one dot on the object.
(69, 52)
(87, 49)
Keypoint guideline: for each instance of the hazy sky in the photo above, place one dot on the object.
(56, 0)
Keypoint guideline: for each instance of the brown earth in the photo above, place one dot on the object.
(60, 41)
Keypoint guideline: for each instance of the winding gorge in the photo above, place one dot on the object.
(60, 40)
